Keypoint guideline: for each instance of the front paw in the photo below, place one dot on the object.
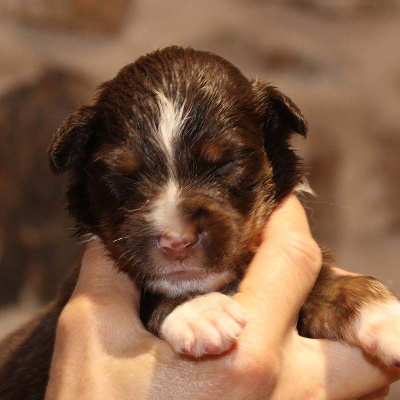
(208, 324)
(379, 332)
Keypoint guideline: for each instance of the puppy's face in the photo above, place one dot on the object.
(177, 166)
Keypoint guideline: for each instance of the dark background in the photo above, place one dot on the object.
(339, 60)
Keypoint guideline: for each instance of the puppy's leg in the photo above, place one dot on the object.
(207, 324)
(25, 355)
(356, 309)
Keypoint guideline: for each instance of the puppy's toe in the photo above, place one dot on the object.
(379, 331)
(208, 324)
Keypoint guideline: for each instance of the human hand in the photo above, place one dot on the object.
(102, 350)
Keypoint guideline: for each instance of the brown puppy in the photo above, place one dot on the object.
(176, 168)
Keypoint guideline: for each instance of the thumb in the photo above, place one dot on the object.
(103, 284)
(99, 276)
(282, 272)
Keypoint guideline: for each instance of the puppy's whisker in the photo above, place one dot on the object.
(129, 259)
(123, 255)
(121, 238)
(89, 238)
(135, 209)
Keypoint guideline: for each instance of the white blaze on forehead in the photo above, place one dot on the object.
(165, 214)
(170, 123)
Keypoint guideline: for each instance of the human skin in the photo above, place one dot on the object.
(102, 350)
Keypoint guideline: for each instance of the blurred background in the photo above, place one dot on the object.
(339, 60)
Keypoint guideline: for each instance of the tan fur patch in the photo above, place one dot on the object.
(214, 151)
(119, 159)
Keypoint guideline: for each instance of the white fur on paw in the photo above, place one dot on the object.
(208, 324)
(379, 331)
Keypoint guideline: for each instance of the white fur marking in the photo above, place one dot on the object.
(208, 324)
(171, 121)
(165, 213)
(173, 288)
(378, 330)
(304, 187)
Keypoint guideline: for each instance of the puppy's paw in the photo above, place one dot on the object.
(208, 324)
(379, 332)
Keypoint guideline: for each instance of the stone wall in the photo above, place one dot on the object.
(88, 16)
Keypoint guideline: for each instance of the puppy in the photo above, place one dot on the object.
(176, 168)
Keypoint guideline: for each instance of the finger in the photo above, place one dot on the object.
(99, 276)
(343, 372)
(104, 285)
(281, 274)
(342, 361)
(340, 271)
(105, 300)
(378, 395)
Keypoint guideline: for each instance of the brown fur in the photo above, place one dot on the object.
(334, 303)
(233, 165)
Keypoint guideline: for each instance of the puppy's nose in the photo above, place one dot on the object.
(177, 247)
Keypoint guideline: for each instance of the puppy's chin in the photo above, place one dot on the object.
(177, 284)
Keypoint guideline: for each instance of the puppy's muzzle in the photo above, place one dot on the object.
(177, 246)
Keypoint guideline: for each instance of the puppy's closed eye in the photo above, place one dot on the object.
(225, 167)
(121, 160)
(110, 184)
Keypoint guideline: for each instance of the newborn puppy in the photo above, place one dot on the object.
(176, 168)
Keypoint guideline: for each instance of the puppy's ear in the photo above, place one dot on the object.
(281, 115)
(70, 140)
(280, 119)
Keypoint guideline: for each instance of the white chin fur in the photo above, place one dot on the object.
(173, 288)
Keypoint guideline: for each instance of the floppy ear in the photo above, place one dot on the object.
(280, 119)
(70, 140)
(281, 115)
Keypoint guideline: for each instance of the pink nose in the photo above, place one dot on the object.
(177, 247)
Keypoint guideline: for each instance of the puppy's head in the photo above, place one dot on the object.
(176, 167)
